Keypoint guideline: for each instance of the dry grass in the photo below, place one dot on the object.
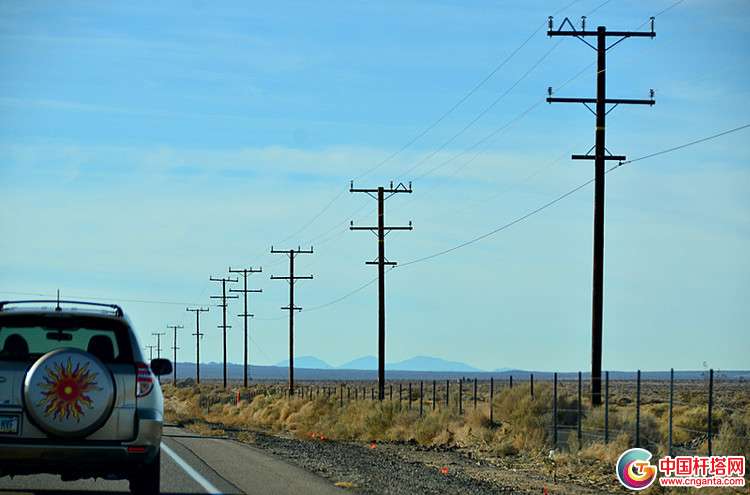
(522, 424)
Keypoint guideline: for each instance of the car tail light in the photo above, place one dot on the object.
(144, 380)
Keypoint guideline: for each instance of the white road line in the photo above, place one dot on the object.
(190, 471)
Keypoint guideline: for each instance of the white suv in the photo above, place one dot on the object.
(76, 396)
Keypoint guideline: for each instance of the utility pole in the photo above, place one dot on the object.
(600, 156)
(223, 307)
(158, 349)
(198, 336)
(150, 352)
(245, 315)
(380, 194)
(158, 343)
(174, 352)
(292, 278)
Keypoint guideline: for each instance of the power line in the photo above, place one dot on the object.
(440, 119)
(92, 298)
(697, 141)
(475, 239)
(463, 99)
(565, 195)
(484, 111)
(345, 296)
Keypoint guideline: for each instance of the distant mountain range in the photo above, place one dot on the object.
(306, 362)
(417, 363)
(213, 371)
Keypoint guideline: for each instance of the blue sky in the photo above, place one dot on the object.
(146, 147)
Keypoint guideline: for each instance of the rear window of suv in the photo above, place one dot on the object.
(28, 337)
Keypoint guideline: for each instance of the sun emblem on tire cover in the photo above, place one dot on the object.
(65, 390)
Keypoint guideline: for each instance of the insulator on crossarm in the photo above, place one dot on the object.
(583, 23)
(549, 23)
(549, 90)
(651, 92)
(652, 24)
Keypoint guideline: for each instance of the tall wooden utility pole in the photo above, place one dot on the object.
(223, 307)
(379, 194)
(600, 156)
(174, 352)
(292, 278)
(245, 315)
(198, 336)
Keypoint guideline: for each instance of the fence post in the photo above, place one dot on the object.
(638, 409)
(580, 408)
(434, 394)
(606, 407)
(410, 396)
(390, 392)
(492, 395)
(531, 382)
(460, 396)
(710, 408)
(475, 393)
(372, 393)
(341, 396)
(447, 393)
(554, 410)
(671, 405)
(400, 393)
(421, 397)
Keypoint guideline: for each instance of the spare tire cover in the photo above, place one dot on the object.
(69, 393)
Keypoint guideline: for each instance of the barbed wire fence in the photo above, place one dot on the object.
(653, 410)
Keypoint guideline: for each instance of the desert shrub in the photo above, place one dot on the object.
(691, 425)
(622, 426)
(526, 420)
(608, 453)
(734, 436)
(433, 429)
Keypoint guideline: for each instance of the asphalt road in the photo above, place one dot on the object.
(195, 465)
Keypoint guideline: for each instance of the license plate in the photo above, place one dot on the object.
(9, 424)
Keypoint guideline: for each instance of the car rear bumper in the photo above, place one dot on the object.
(81, 458)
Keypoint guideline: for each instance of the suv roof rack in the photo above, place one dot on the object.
(117, 309)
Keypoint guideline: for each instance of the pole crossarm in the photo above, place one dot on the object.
(608, 101)
(619, 34)
(292, 252)
(619, 158)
